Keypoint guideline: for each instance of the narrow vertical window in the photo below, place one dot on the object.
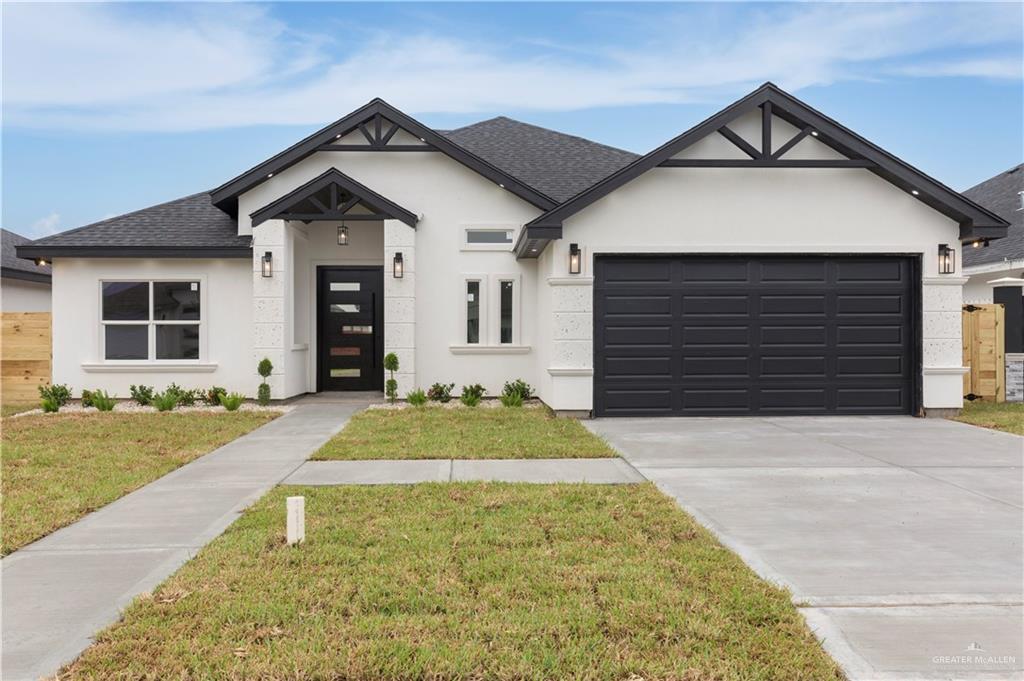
(472, 311)
(506, 312)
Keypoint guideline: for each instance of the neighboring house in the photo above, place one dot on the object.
(767, 261)
(1004, 196)
(24, 285)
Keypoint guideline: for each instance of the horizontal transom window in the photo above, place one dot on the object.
(151, 320)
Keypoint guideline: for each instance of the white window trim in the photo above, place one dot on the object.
(495, 298)
(484, 338)
(151, 362)
(488, 227)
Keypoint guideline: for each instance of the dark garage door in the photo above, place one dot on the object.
(711, 335)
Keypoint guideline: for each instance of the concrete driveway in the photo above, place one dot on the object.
(899, 538)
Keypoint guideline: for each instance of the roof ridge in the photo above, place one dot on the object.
(550, 130)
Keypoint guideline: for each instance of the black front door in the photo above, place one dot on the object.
(350, 323)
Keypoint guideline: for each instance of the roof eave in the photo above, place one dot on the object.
(30, 251)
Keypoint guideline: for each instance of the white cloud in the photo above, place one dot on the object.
(45, 226)
(203, 67)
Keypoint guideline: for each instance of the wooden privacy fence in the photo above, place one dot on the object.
(25, 354)
(984, 353)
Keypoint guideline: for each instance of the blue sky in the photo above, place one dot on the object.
(112, 107)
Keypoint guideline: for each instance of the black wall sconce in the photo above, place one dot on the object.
(343, 235)
(574, 258)
(947, 259)
(399, 266)
(268, 264)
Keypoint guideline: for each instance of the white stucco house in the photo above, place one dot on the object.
(766, 261)
(999, 261)
(24, 285)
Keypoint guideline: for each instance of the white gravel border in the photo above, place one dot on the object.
(131, 407)
(485, 403)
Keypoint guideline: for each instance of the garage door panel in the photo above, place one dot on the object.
(792, 305)
(754, 334)
(793, 272)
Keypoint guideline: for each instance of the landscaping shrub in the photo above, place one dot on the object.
(87, 398)
(142, 394)
(102, 401)
(416, 398)
(186, 398)
(441, 392)
(233, 401)
(58, 394)
(518, 387)
(212, 396)
(511, 400)
(264, 369)
(50, 405)
(165, 401)
(391, 385)
(472, 394)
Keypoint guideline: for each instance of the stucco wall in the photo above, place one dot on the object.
(17, 295)
(226, 354)
(447, 197)
(978, 290)
(771, 210)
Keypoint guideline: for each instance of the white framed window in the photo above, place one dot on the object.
(474, 330)
(151, 320)
(506, 305)
(490, 310)
(488, 237)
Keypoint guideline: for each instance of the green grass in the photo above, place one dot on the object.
(463, 581)
(1007, 416)
(480, 433)
(12, 409)
(58, 468)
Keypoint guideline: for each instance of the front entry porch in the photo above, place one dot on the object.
(332, 303)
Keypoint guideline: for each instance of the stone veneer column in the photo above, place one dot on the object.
(400, 302)
(572, 345)
(268, 314)
(942, 344)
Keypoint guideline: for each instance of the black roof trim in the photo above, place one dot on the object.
(333, 176)
(225, 197)
(32, 251)
(11, 273)
(975, 221)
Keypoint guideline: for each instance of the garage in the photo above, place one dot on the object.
(755, 335)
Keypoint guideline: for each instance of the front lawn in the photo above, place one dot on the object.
(463, 581)
(1008, 416)
(58, 468)
(462, 433)
(10, 409)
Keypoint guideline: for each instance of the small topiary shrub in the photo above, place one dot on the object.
(87, 398)
(472, 394)
(102, 401)
(233, 401)
(58, 394)
(518, 387)
(264, 369)
(441, 392)
(165, 401)
(416, 398)
(142, 394)
(212, 396)
(391, 385)
(511, 400)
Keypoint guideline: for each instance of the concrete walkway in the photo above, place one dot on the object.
(59, 591)
(900, 538)
(384, 472)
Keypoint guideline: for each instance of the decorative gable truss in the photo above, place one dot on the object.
(375, 127)
(831, 144)
(332, 196)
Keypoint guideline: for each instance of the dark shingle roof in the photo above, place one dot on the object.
(554, 163)
(1001, 195)
(10, 261)
(192, 222)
